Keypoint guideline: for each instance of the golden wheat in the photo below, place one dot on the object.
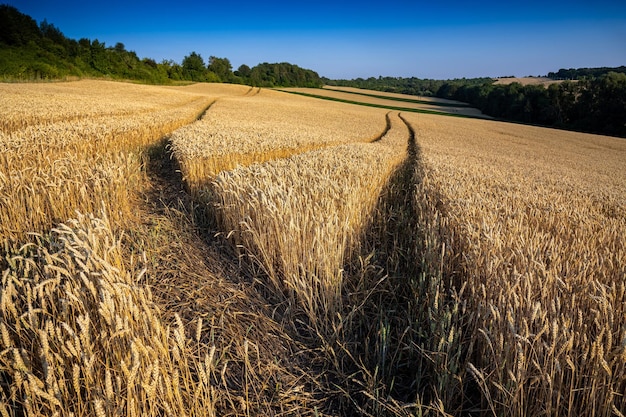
(482, 273)
(56, 164)
(302, 217)
(269, 125)
(81, 335)
(535, 231)
(392, 95)
(36, 104)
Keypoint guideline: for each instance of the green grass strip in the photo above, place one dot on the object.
(381, 106)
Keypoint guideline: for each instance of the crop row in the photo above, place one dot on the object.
(81, 332)
(533, 222)
(50, 169)
(269, 125)
(481, 272)
(302, 218)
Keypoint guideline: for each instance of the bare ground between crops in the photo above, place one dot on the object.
(194, 273)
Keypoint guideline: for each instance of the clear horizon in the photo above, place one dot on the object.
(352, 39)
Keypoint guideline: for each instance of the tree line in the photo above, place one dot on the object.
(262, 75)
(411, 85)
(595, 102)
(31, 51)
(592, 104)
(580, 73)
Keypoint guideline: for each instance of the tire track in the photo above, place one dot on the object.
(386, 130)
(194, 273)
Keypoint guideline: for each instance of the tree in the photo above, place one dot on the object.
(221, 67)
(98, 59)
(53, 33)
(193, 67)
(149, 62)
(608, 104)
(283, 75)
(173, 70)
(243, 71)
(17, 28)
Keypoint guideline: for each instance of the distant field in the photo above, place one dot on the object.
(528, 81)
(218, 249)
(400, 97)
(392, 101)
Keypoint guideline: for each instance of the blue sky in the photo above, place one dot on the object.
(350, 39)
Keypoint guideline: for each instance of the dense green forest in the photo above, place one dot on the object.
(580, 73)
(594, 104)
(414, 86)
(31, 51)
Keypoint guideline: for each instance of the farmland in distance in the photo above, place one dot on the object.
(218, 249)
(392, 101)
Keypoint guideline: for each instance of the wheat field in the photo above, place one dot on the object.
(535, 222)
(81, 100)
(404, 101)
(400, 96)
(55, 164)
(217, 249)
(302, 217)
(239, 131)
